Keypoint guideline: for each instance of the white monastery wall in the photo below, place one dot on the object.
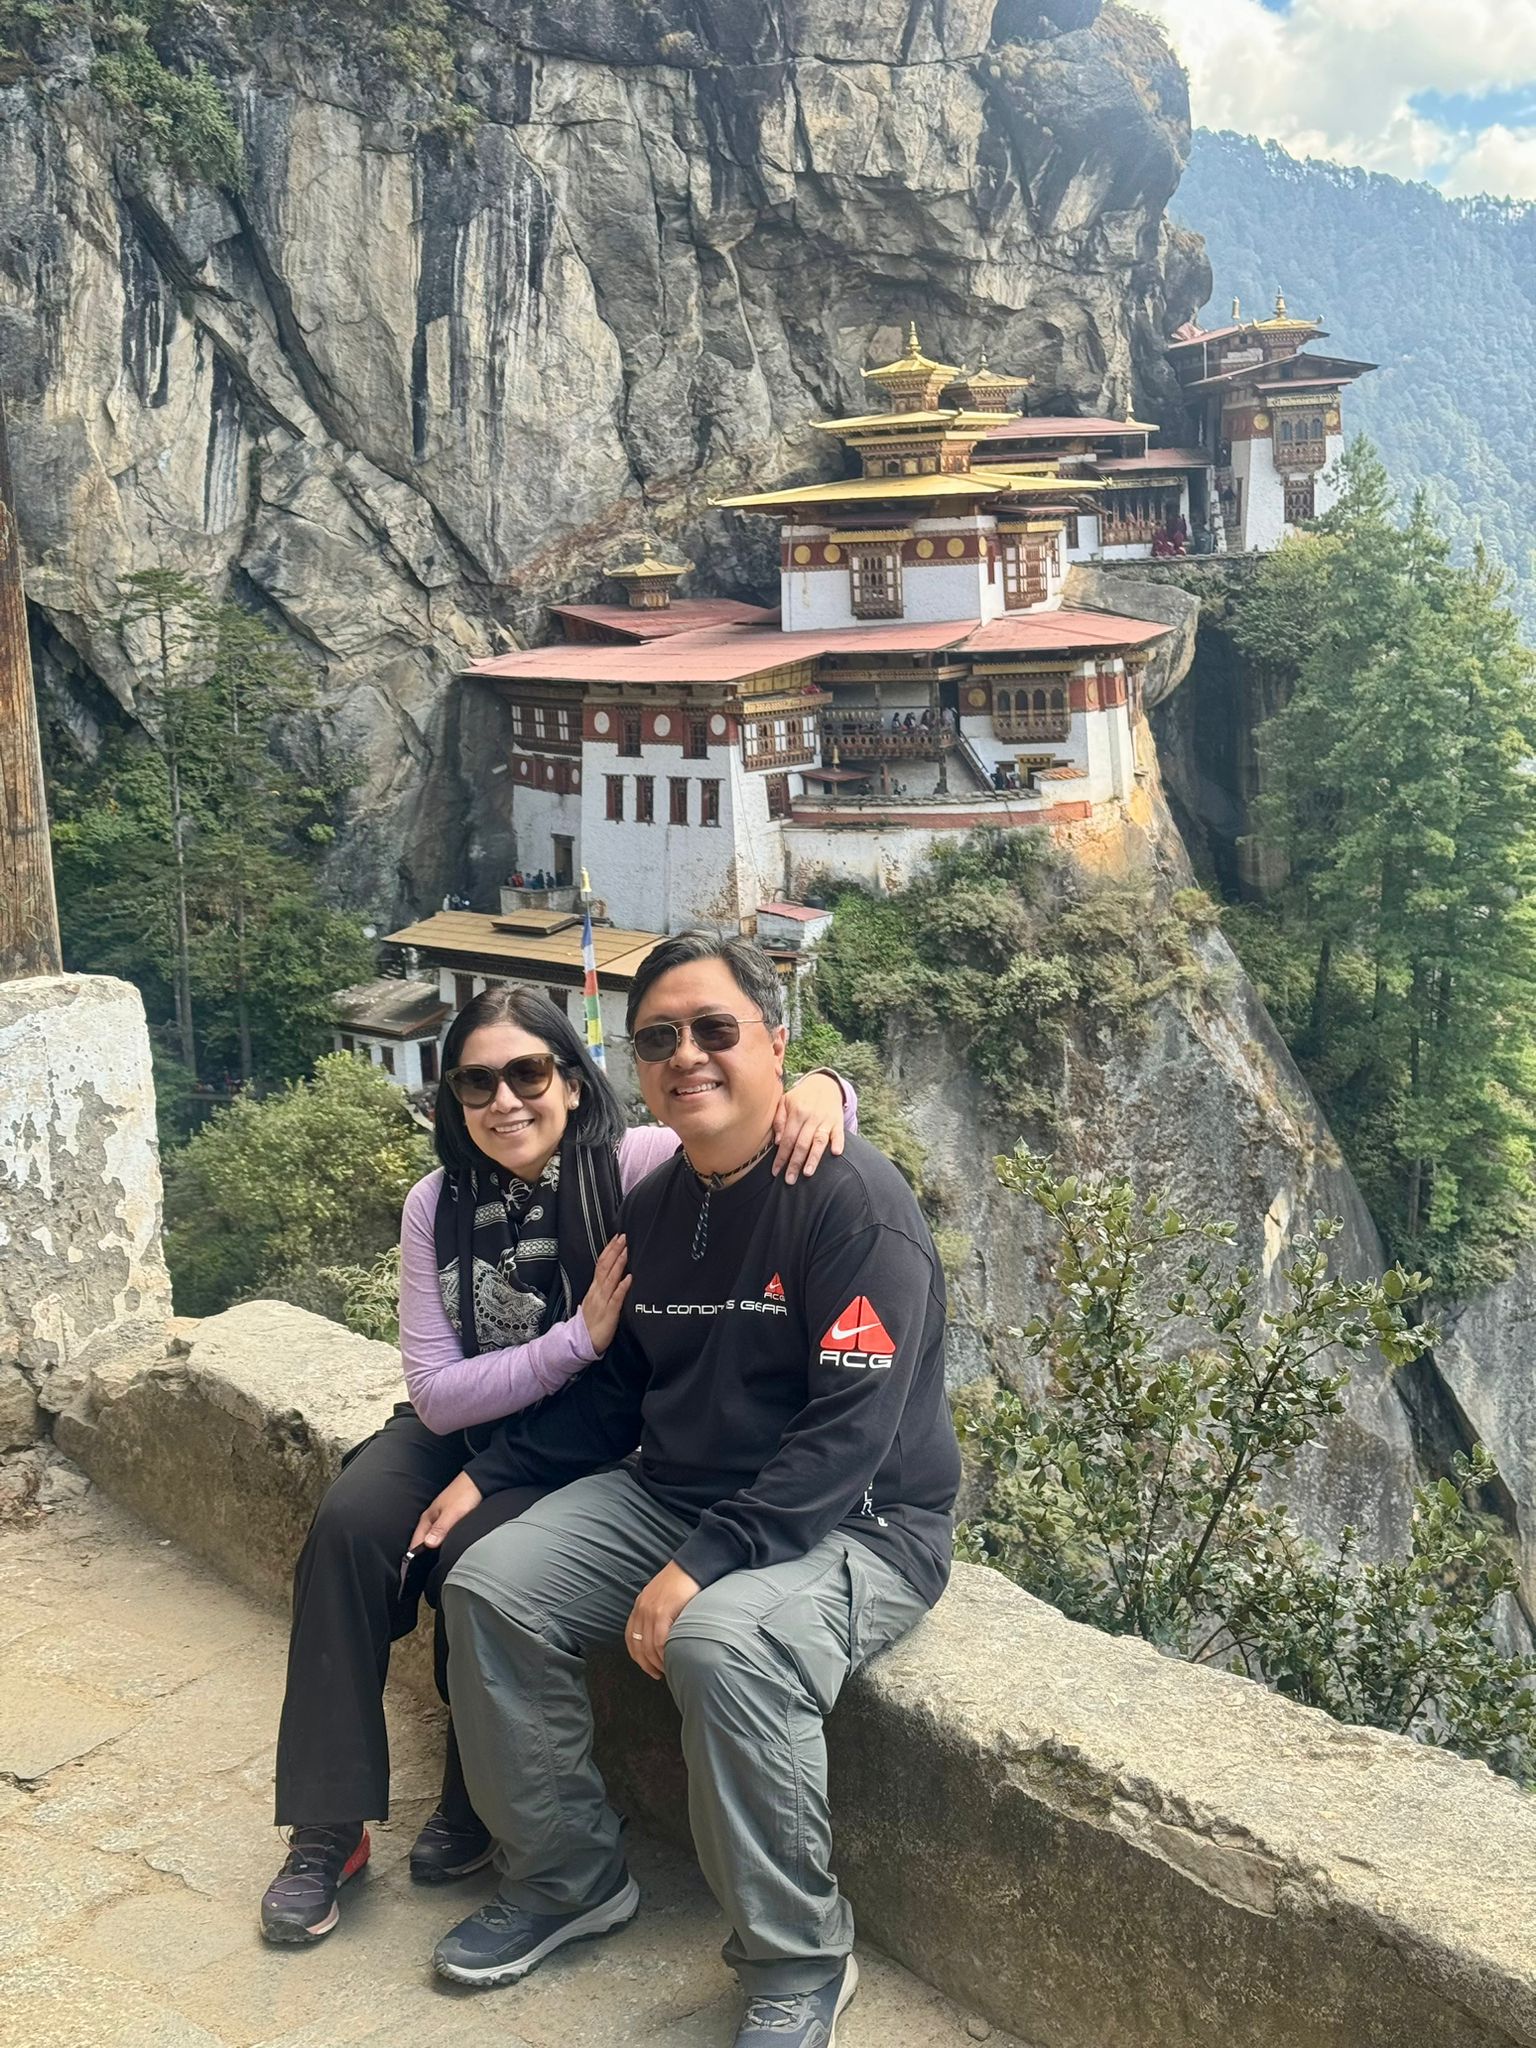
(1327, 490)
(537, 815)
(659, 877)
(406, 1053)
(1087, 548)
(1263, 493)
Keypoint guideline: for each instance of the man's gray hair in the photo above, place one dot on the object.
(751, 969)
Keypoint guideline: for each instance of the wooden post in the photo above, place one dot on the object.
(29, 918)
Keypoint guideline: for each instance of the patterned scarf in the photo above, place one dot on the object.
(514, 1258)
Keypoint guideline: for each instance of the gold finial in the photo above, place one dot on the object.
(914, 347)
(1237, 312)
(983, 364)
(1280, 305)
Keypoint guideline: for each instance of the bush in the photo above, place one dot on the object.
(271, 1194)
(1138, 1495)
(1012, 953)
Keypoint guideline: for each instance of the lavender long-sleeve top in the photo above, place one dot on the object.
(448, 1390)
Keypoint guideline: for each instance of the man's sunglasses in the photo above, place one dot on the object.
(716, 1031)
(528, 1078)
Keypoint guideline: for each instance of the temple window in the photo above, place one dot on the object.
(1024, 581)
(678, 797)
(778, 796)
(615, 809)
(463, 989)
(874, 575)
(428, 1061)
(1300, 502)
(1038, 713)
(645, 800)
(709, 802)
(696, 739)
(387, 1058)
(629, 732)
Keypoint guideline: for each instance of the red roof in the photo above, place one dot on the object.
(729, 654)
(715, 654)
(1198, 334)
(800, 912)
(1046, 426)
(1040, 632)
(1157, 458)
(683, 615)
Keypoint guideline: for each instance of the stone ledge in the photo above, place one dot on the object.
(1096, 1846)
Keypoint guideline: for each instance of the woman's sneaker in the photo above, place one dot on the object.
(448, 1849)
(300, 1902)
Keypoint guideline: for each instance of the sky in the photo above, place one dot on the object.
(1443, 90)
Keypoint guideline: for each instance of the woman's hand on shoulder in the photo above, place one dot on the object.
(605, 1297)
(809, 1122)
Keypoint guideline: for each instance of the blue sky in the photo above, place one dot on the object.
(1437, 89)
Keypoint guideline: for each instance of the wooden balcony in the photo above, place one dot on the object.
(1032, 725)
(885, 743)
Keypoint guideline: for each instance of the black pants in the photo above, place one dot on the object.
(349, 1605)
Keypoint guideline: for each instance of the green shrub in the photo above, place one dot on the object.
(1137, 1494)
(270, 1195)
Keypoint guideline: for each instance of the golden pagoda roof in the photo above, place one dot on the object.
(913, 363)
(1281, 321)
(946, 420)
(650, 565)
(864, 490)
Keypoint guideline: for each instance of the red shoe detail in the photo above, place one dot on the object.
(357, 1859)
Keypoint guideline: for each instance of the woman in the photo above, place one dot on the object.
(511, 1282)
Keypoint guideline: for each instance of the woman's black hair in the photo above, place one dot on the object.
(597, 1118)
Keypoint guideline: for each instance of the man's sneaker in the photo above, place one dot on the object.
(501, 1942)
(445, 1850)
(806, 2020)
(300, 1902)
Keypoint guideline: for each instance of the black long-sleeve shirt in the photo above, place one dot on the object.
(788, 1383)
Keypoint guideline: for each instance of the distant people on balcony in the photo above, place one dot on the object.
(516, 881)
(895, 721)
(909, 723)
(511, 1282)
(926, 721)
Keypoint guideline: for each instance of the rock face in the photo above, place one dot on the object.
(402, 394)
(1207, 1106)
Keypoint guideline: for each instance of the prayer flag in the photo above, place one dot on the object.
(589, 1001)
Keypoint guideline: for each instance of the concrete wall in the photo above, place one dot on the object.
(405, 1054)
(821, 599)
(1094, 1845)
(82, 1275)
(660, 877)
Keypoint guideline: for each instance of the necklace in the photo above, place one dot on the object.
(712, 1181)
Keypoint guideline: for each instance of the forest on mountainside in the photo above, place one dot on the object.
(1441, 293)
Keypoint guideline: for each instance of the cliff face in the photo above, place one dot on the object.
(402, 393)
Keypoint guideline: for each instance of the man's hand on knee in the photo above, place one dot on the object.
(456, 1500)
(651, 1618)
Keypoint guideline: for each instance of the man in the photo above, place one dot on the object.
(780, 1364)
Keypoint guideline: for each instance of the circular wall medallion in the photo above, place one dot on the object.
(575, 778)
(717, 725)
(1261, 421)
(956, 546)
(522, 769)
(802, 553)
(549, 771)
(924, 549)
(663, 725)
(599, 721)
(978, 698)
(832, 552)
(1332, 423)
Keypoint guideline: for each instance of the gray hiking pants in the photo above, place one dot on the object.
(754, 1663)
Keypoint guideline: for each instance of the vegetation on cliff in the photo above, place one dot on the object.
(1398, 957)
(184, 851)
(1136, 1490)
(1012, 952)
(168, 101)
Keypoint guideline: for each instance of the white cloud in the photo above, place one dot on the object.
(1336, 78)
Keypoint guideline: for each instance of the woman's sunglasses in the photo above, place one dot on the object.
(716, 1031)
(528, 1078)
